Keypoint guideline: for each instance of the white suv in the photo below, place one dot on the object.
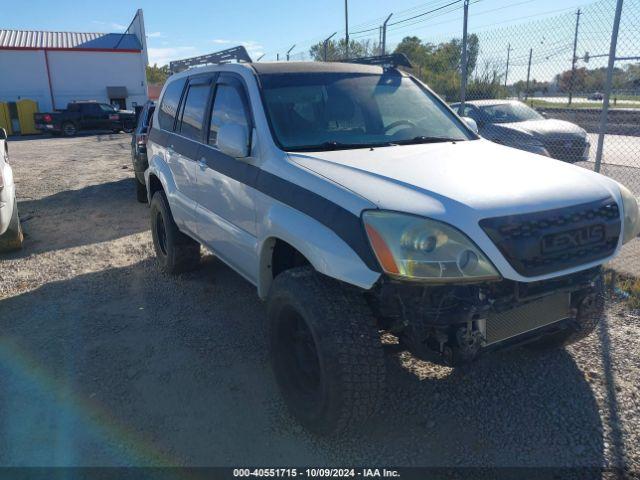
(357, 202)
(10, 229)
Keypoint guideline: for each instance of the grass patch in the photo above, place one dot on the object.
(626, 287)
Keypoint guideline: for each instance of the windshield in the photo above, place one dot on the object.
(319, 111)
(508, 112)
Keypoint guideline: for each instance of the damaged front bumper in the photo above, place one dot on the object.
(457, 323)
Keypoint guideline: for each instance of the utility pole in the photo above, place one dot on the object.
(289, 51)
(607, 86)
(506, 72)
(574, 58)
(346, 29)
(384, 35)
(277, 57)
(463, 82)
(526, 92)
(325, 45)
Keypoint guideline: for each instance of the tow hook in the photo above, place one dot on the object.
(468, 344)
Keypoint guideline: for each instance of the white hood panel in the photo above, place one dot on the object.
(462, 183)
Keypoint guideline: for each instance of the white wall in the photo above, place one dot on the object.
(86, 76)
(23, 75)
(74, 76)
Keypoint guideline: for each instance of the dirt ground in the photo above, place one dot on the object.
(106, 361)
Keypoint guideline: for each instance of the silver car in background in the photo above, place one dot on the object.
(514, 124)
(10, 230)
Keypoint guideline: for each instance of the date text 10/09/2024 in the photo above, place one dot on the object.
(316, 472)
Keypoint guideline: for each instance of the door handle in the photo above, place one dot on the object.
(202, 163)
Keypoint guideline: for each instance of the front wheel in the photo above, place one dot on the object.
(175, 251)
(326, 352)
(12, 239)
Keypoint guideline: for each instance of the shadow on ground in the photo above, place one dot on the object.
(72, 218)
(127, 366)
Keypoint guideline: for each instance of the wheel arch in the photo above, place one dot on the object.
(292, 233)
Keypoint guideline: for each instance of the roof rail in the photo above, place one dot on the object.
(224, 56)
(388, 61)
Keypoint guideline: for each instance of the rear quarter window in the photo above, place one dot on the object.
(169, 104)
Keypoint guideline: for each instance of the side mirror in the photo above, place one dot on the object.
(471, 123)
(3, 134)
(233, 139)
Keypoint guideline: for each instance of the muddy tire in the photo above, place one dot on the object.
(141, 191)
(591, 310)
(69, 129)
(12, 239)
(176, 252)
(325, 349)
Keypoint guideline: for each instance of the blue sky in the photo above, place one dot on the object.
(191, 27)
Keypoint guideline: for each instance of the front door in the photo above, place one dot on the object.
(226, 210)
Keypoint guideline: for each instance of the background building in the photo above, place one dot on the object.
(55, 68)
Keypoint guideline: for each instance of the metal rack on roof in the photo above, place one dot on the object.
(239, 54)
(388, 61)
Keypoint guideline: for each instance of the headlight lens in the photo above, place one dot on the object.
(631, 215)
(419, 248)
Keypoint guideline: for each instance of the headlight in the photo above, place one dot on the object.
(631, 215)
(417, 248)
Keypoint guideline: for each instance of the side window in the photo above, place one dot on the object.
(193, 112)
(107, 108)
(169, 104)
(228, 107)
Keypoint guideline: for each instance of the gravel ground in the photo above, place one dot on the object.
(105, 361)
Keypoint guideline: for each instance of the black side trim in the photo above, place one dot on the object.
(341, 221)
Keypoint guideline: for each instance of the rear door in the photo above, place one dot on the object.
(90, 114)
(186, 140)
(226, 215)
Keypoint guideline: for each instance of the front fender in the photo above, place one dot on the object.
(327, 253)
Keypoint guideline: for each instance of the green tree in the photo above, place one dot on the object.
(440, 65)
(336, 50)
(157, 75)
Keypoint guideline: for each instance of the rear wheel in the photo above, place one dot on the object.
(69, 129)
(12, 239)
(176, 252)
(326, 352)
(141, 191)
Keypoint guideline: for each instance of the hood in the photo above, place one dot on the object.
(467, 180)
(546, 129)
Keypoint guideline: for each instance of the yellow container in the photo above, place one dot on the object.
(26, 109)
(5, 120)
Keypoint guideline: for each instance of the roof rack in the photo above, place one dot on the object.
(224, 56)
(387, 61)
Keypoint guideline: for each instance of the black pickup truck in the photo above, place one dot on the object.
(85, 116)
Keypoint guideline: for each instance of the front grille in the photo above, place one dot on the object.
(568, 149)
(528, 317)
(553, 240)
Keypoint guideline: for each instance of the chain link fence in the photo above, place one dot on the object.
(545, 85)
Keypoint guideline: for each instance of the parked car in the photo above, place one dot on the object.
(357, 201)
(139, 149)
(517, 125)
(596, 96)
(85, 116)
(11, 236)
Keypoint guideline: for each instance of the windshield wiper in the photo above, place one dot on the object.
(425, 139)
(335, 145)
